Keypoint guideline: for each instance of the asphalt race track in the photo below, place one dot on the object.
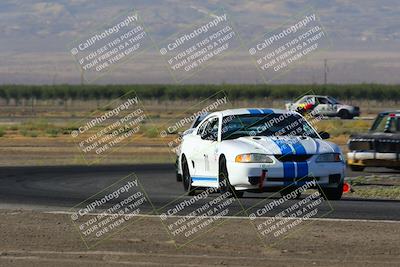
(60, 188)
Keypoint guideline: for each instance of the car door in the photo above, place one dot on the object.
(324, 107)
(205, 156)
(332, 108)
(194, 145)
(211, 150)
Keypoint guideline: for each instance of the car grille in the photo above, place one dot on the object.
(377, 145)
(361, 145)
(388, 146)
(293, 158)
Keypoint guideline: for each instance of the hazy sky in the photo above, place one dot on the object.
(361, 40)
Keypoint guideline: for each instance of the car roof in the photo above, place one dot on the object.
(316, 96)
(255, 111)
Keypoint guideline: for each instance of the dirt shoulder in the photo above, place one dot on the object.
(41, 239)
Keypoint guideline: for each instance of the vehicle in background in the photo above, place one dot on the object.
(194, 124)
(325, 106)
(380, 147)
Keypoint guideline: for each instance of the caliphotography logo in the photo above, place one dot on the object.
(110, 211)
(206, 41)
(117, 41)
(288, 45)
(110, 127)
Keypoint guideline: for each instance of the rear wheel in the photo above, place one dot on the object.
(333, 193)
(186, 178)
(224, 183)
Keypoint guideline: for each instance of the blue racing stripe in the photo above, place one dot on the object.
(299, 148)
(302, 169)
(254, 111)
(208, 179)
(288, 167)
(288, 173)
(284, 147)
(267, 111)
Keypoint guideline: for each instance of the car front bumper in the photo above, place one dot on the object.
(373, 159)
(248, 176)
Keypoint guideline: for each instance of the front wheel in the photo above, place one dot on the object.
(224, 184)
(333, 193)
(345, 114)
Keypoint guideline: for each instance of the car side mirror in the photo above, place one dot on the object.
(324, 135)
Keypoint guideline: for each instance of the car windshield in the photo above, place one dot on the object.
(386, 123)
(198, 119)
(288, 124)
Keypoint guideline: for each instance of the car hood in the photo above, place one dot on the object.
(282, 145)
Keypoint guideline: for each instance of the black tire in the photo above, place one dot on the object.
(287, 191)
(178, 176)
(357, 168)
(186, 178)
(333, 193)
(225, 185)
(345, 114)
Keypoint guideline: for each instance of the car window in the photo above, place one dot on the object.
(198, 120)
(211, 130)
(385, 123)
(306, 99)
(333, 101)
(380, 124)
(201, 128)
(392, 125)
(303, 99)
(310, 100)
(322, 100)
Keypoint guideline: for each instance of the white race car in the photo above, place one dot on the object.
(259, 150)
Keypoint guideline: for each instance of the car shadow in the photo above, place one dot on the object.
(343, 198)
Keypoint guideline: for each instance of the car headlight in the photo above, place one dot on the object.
(329, 157)
(253, 158)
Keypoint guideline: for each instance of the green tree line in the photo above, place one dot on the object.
(183, 92)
